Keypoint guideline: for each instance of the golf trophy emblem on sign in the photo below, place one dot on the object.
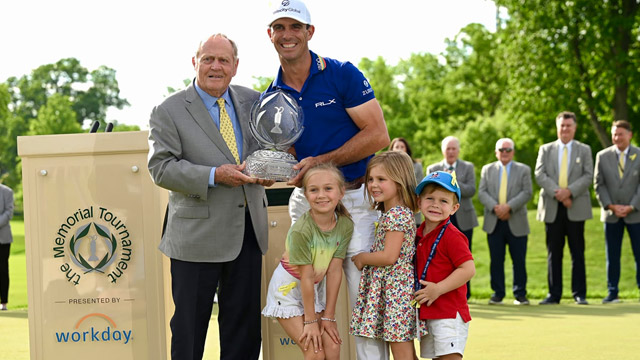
(276, 123)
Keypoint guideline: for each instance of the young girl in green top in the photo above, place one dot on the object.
(304, 287)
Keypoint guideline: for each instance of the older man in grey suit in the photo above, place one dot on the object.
(564, 171)
(216, 229)
(617, 185)
(505, 188)
(465, 219)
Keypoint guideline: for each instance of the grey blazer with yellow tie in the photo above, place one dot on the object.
(466, 215)
(204, 224)
(611, 189)
(579, 179)
(519, 192)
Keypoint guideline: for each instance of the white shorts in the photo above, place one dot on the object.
(284, 298)
(446, 336)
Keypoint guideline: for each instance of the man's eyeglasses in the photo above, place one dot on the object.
(505, 149)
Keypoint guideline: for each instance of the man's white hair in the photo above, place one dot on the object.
(446, 140)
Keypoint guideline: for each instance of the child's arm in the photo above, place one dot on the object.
(388, 256)
(334, 277)
(311, 330)
(431, 291)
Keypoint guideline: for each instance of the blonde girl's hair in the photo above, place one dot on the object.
(332, 169)
(399, 167)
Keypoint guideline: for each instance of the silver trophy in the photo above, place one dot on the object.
(276, 123)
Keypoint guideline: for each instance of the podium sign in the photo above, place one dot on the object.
(92, 226)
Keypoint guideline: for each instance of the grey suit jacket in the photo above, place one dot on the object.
(6, 213)
(519, 191)
(204, 224)
(466, 177)
(610, 189)
(580, 178)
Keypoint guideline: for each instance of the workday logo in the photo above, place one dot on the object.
(94, 241)
(95, 328)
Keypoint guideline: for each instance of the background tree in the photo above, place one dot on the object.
(53, 99)
(579, 55)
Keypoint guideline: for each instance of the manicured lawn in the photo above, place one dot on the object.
(566, 331)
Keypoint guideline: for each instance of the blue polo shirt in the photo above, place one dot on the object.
(332, 87)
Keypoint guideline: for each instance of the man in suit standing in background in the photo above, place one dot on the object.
(216, 229)
(465, 218)
(505, 189)
(617, 185)
(564, 171)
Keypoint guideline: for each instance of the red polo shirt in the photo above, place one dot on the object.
(451, 252)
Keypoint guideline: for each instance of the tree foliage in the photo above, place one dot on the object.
(545, 57)
(53, 99)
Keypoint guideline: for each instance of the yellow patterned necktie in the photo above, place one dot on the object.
(502, 194)
(226, 130)
(563, 181)
(621, 164)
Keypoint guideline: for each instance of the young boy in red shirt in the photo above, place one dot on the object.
(443, 266)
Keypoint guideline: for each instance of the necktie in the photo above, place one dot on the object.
(451, 168)
(563, 181)
(502, 194)
(226, 130)
(621, 164)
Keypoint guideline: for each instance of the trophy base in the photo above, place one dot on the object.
(271, 165)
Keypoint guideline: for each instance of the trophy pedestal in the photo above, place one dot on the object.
(271, 165)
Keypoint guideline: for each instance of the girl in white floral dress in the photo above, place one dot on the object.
(383, 309)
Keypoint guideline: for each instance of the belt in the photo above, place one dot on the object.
(354, 184)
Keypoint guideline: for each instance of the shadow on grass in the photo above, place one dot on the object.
(19, 314)
(516, 313)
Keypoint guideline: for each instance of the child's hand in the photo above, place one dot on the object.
(311, 334)
(428, 294)
(357, 261)
(331, 328)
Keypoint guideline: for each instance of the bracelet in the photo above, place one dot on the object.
(327, 319)
(310, 322)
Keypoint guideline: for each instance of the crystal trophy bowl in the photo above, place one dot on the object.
(276, 123)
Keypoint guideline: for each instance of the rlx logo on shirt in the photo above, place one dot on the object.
(322, 103)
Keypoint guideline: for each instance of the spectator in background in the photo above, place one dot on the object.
(400, 144)
(465, 218)
(505, 188)
(617, 186)
(6, 238)
(564, 171)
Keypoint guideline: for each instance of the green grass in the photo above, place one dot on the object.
(537, 264)
(566, 331)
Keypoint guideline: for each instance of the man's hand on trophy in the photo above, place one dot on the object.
(232, 175)
(304, 165)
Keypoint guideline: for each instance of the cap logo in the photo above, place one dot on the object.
(285, 2)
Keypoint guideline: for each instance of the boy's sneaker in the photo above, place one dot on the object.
(3, 306)
(494, 300)
(610, 299)
(521, 300)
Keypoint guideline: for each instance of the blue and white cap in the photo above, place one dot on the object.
(442, 178)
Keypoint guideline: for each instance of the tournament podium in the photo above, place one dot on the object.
(98, 287)
(93, 220)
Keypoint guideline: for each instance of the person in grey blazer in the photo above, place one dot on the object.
(617, 186)
(465, 219)
(6, 238)
(505, 220)
(564, 205)
(216, 222)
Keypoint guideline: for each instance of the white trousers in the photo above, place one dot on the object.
(364, 219)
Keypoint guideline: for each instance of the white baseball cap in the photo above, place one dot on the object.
(294, 9)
